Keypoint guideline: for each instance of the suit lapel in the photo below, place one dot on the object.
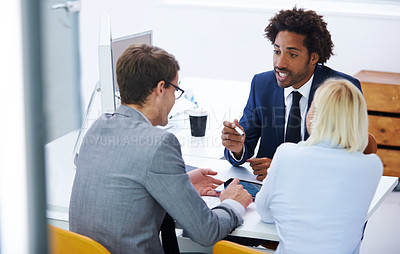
(279, 113)
(317, 81)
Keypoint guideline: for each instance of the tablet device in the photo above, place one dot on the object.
(252, 187)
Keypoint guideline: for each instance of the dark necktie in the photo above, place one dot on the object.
(293, 128)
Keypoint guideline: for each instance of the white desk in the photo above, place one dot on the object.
(60, 175)
(223, 100)
(253, 227)
(200, 152)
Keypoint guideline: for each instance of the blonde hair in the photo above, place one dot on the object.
(340, 116)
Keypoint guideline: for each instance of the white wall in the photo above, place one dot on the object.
(223, 39)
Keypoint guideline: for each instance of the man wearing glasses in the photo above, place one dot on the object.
(130, 173)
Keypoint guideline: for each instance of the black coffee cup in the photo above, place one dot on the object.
(198, 123)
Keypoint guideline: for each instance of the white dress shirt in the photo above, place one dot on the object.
(318, 197)
(304, 90)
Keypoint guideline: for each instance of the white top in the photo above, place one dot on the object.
(318, 197)
(304, 90)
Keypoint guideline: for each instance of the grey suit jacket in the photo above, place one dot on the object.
(129, 174)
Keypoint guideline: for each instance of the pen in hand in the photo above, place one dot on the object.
(239, 130)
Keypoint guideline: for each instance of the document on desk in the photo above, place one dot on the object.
(211, 201)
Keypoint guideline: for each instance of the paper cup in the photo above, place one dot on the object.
(198, 122)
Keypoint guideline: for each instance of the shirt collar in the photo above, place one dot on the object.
(147, 120)
(130, 112)
(304, 89)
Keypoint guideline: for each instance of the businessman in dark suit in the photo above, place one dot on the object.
(302, 44)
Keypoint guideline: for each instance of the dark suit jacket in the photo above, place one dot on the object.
(264, 114)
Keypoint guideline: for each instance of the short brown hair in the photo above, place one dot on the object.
(140, 68)
(308, 23)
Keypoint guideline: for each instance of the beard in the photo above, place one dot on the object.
(286, 78)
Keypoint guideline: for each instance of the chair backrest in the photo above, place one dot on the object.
(66, 242)
(227, 247)
(372, 147)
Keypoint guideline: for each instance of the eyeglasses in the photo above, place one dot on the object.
(178, 91)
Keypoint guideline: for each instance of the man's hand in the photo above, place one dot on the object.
(260, 167)
(236, 192)
(231, 139)
(203, 182)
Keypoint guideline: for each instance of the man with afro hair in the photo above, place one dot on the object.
(302, 45)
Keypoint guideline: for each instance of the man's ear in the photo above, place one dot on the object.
(314, 58)
(160, 88)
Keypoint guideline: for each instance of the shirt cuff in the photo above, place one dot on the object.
(235, 205)
(233, 156)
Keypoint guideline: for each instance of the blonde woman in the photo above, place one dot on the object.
(318, 192)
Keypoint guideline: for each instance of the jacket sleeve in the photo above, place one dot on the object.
(251, 124)
(170, 186)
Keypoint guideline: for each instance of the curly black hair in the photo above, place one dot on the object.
(308, 23)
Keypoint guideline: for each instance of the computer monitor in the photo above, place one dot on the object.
(109, 51)
(120, 44)
(106, 72)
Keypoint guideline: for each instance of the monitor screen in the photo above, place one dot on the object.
(120, 44)
(109, 50)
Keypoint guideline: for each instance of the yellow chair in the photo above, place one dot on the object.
(227, 247)
(66, 242)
